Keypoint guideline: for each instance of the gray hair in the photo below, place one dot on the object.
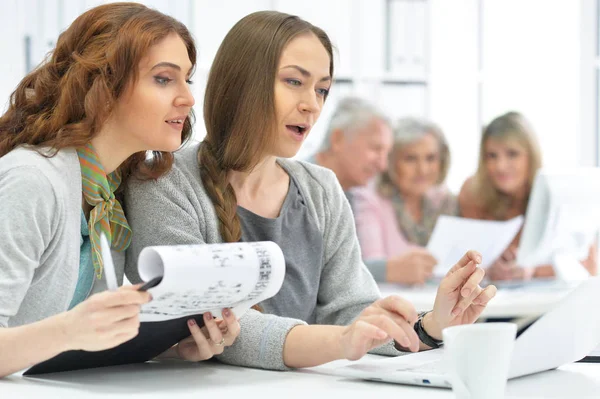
(351, 114)
(410, 130)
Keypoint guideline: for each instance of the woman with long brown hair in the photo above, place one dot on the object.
(78, 126)
(266, 89)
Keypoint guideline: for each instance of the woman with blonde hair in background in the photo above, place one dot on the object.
(396, 216)
(266, 89)
(509, 159)
(77, 128)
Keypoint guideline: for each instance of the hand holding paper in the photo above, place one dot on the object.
(453, 236)
(195, 282)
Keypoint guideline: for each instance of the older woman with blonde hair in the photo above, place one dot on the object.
(395, 217)
(509, 159)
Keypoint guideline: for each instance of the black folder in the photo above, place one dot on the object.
(592, 358)
(153, 339)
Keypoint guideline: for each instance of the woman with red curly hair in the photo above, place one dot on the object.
(115, 87)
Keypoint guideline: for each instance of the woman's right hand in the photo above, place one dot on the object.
(415, 266)
(389, 318)
(506, 268)
(105, 320)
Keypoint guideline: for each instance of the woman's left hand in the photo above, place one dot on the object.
(459, 299)
(210, 340)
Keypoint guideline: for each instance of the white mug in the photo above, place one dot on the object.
(477, 358)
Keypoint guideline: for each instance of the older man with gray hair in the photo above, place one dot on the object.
(356, 147)
(356, 144)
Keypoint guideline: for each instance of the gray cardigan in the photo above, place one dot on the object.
(40, 220)
(176, 209)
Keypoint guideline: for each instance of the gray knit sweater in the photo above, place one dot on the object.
(177, 210)
(40, 233)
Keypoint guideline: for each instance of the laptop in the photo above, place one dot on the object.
(565, 334)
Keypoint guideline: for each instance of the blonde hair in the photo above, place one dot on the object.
(239, 104)
(511, 125)
(408, 131)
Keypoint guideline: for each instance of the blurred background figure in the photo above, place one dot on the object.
(356, 144)
(509, 158)
(395, 217)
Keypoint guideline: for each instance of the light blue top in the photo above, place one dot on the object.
(85, 280)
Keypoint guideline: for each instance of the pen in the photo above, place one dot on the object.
(109, 267)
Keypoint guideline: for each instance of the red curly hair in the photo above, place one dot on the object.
(65, 101)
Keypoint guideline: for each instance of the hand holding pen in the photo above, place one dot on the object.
(106, 319)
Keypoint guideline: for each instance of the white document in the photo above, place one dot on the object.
(208, 278)
(453, 236)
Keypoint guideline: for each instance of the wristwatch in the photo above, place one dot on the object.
(422, 334)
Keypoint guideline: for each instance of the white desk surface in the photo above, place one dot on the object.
(174, 380)
(526, 301)
(184, 380)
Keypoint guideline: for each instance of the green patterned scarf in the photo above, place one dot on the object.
(107, 215)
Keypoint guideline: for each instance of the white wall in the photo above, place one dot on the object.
(537, 57)
(588, 83)
(12, 67)
(454, 77)
(483, 57)
(531, 63)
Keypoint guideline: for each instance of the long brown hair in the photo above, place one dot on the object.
(511, 125)
(65, 101)
(239, 104)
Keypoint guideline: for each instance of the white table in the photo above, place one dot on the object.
(521, 302)
(203, 380)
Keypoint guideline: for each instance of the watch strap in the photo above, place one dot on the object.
(423, 336)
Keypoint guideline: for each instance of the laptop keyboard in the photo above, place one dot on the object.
(429, 362)
(432, 367)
